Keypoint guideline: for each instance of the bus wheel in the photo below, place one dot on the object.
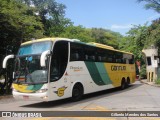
(128, 82)
(77, 92)
(123, 84)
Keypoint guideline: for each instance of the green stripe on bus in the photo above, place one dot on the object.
(103, 73)
(34, 87)
(94, 72)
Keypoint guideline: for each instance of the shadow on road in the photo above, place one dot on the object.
(86, 98)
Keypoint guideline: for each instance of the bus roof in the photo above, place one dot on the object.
(44, 39)
(77, 41)
(99, 45)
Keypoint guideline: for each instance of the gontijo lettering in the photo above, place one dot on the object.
(118, 68)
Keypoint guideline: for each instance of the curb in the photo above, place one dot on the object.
(153, 84)
(6, 96)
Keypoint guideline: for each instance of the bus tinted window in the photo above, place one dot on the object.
(76, 53)
(35, 48)
(80, 52)
(101, 55)
(90, 53)
(128, 58)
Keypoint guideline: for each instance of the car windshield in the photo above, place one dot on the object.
(35, 48)
(28, 70)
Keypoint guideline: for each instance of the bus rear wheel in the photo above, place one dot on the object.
(123, 84)
(77, 92)
(128, 82)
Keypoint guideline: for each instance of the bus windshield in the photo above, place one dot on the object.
(27, 63)
(28, 70)
(35, 48)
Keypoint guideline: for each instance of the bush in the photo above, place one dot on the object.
(143, 72)
(157, 81)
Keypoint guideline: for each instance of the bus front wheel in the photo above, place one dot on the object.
(77, 92)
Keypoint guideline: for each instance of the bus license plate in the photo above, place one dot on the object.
(26, 97)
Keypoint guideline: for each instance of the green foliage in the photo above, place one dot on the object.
(154, 34)
(152, 4)
(143, 73)
(17, 24)
(98, 35)
(135, 41)
(107, 37)
(158, 81)
(51, 14)
(153, 37)
(77, 32)
(21, 20)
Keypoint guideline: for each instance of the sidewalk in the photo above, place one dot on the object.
(149, 83)
(5, 96)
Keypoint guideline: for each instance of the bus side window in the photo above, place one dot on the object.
(131, 61)
(92, 58)
(124, 61)
(86, 57)
(76, 53)
(99, 58)
(127, 61)
(109, 59)
(74, 56)
(118, 61)
(119, 57)
(89, 52)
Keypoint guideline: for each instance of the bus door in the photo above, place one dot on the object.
(59, 79)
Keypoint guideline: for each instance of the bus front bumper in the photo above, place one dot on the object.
(31, 96)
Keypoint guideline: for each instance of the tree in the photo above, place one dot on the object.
(77, 32)
(106, 37)
(17, 23)
(152, 4)
(51, 14)
(154, 34)
(135, 41)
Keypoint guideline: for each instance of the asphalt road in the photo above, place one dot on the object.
(138, 97)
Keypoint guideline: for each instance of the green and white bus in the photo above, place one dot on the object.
(57, 68)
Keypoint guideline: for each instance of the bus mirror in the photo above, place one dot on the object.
(43, 58)
(6, 59)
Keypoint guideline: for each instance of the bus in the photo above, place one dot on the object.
(57, 68)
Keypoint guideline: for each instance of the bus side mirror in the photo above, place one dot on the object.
(43, 58)
(6, 59)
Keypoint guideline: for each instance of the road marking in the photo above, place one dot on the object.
(94, 107)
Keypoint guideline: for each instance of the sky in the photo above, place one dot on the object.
(115, 15)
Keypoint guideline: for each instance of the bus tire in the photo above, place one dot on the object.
(123, 84)
(77, 92)
(128, 82)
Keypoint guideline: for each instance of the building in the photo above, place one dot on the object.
(152, 63)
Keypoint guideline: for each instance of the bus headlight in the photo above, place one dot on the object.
(14, 90)
(41, 91)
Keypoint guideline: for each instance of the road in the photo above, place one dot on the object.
(138, 97)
